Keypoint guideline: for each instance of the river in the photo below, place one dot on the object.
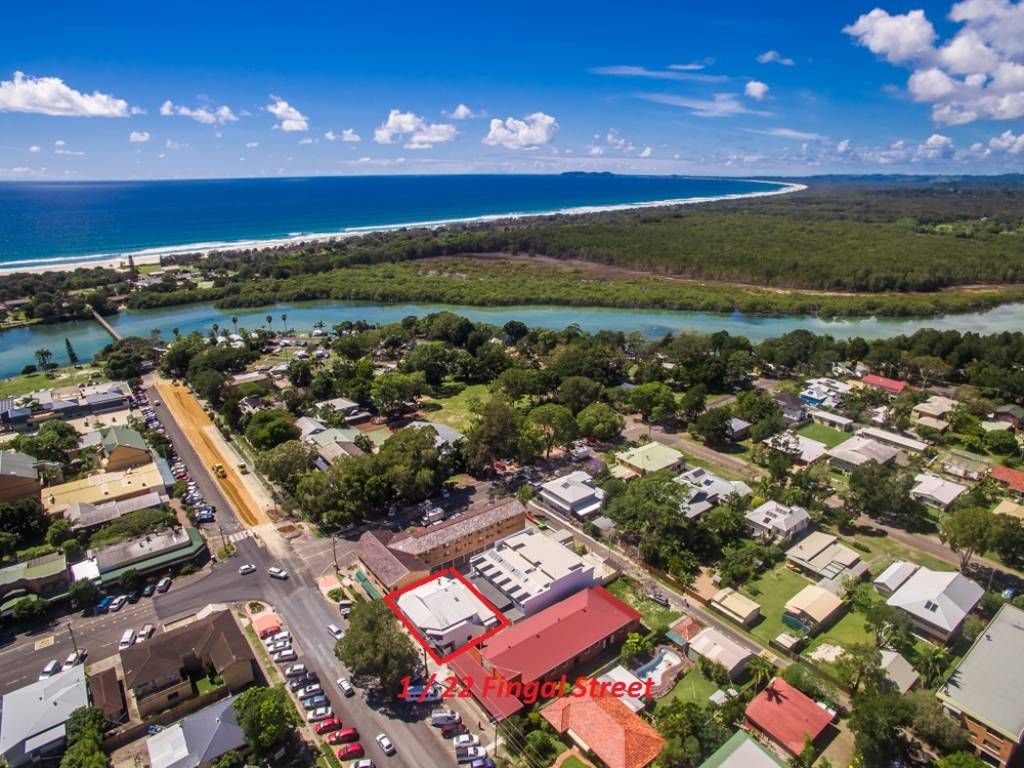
(17, 346)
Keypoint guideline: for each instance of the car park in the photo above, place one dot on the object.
(327, 726)
(277, 573)
(245, 570)
(349, 751)
(346, 687)
(282, 656)
(316, 715)
(466, 740)
(344, 736)
(295, 670)
(117, 603)
(52, 668)
(385, 744)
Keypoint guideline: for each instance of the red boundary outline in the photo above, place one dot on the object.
(391, 600)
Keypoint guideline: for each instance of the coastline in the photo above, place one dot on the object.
(154, 255)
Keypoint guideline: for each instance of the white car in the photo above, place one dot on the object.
(364, 763)
(52, 668)
(74, 658)
(280, 645)
(318, 714)
(295, 670)
(282, 656)
(277, 573)
(277, 637)
(385, 744)
(336, 632)
(245, 570)
(466, 740)
(118, 603)
(310, 690)
(346, 687)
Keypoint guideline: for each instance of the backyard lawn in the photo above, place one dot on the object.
(574, 762)
(455, 411)
(827, 435)
(15, 386)
(882, 550)
(772, 590)
(653, 614)
(692, 686)
(848, 631)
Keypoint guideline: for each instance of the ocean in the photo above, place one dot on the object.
(46, 223)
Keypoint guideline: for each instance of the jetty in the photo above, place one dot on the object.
(106, 326)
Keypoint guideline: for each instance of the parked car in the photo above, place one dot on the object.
(482, 762)
(349, 751)
(336, 632)
(146, 632)
(245, 570)
(469, 754)
(418, 695)
(466, 740)
(385, 744)
(104, 605)
(346, 736)
(319, 714)
(52, 668)
(346, 687)
(277, 573)
(441, 717)
(327, 726)
(270, 631)
(148, 590)
(127, 639)
(310, 690)
(74, 658)
(279, 636)
(363, 764)
(452, 730)
(660, 599)
(164, 584)
(279, 645)
(295, 670)
(282, 656)
(117, 603)
(315, 702)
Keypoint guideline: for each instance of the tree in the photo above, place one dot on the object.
(934, 725)
(300, 373)
(432, 358)
(860, 664)
(30, 607)
(286, 462)
(882, 493)
(493, 436)
(85, 722)
(232, 759)
(8, 544)
(129, 580)
(517, 383)
(877, 721)
(376, 647)
(577, 392)
(269, 428)
(391, 391)
(761, 671)
(1004, 443)
(932, 661)
(693, 401)
(600, 421)
(411, 463)
(265, 715)
(43, 357)
(969, 531)
(960, 760)
(72, 355)
(653, 400)
(58, 532)
(555, 422)
(84, 732)
(84, 593)
(634, 646)
(891, 626)
(712, 426)
(25, 519)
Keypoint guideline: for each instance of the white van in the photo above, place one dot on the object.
(127, 639)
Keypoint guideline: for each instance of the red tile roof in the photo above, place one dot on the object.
(613, 733)
(1014, 478)
(469, 670)
(687, 628)
(893, 386)
(532, 648)
(787, 716)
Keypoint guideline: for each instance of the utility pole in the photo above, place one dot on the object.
(223, 542)
(72, 634)
(334, 550)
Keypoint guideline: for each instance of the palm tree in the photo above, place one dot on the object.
(270, 320)
(284, 322)
(215, 327)
(43, 358)
(761, 671)
(931, 662)
(234, 322)
(176, 331)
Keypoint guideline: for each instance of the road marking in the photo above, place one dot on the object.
(45, 642)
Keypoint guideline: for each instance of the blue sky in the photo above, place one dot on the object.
(110, 90)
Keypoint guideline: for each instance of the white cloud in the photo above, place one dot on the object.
(756, 90)
(968, 54)
(614, 140)
(348, 135)
(531, 132)
(673, 73)
(595, 151)
(138, 137)
(930, 84)
(170, 144)
(1007, 142)
(72, 152)
(774, 57)
(252, 144)
(60, 143)
(790, 133)
(462, 112)
(898, 38)
(691, 67)
(289, 118)
(205, 115)
(843, 147)
(421, 135)
(52, 96)
(35, 148)
(646, 152)
(307, 140)
(936, 147)
(721, 105)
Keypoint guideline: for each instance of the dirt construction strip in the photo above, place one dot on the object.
(209, 444)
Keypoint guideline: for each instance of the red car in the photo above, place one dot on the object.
(350, 751)
(343, 737)
(328, 725)
(272, 630)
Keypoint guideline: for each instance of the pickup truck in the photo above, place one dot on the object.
(469, 754)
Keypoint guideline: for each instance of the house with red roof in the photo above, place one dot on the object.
(606, 728)
(893, 386)
(1011, 478)
(544, 646)
(786, 717)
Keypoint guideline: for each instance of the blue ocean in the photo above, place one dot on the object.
(63, 222)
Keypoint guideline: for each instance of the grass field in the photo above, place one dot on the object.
(692, 686)
(848, 631)
(455, 411)
(772, 590)
(574, 762)
(882, 550)
(827, 435)
(653, 614)
(22, 384)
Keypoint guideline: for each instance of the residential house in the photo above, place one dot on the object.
(857, 451)
(794, 410)
(388, 570)
(1010, 413)
(719, 648)
(447, 613)
(199, 739)
(308, 427)
(787, 717)
(822, 554)
(893, 387)
(773, 520)
(833, 420)
(894, 576)
(936, 406)
(1010, 509)
(825, 392)
(984, 691)
(900, 676)
(445, 437)
(255, 378)
(159, 673)
(108, 695)
(120, 448)
(937, 602)
(738, 429)
(707, 490)
(651, 457)
(33, 717)
(936, 492)
(742, 751)
(812, 609)
(573, 495)
(736, 606)
(605, 727)
(893, 439)
(528, 571)
(802, 450)
(1013, 479)
(19, 477)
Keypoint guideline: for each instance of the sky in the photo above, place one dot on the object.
(109, 90)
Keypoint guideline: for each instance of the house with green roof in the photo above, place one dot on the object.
(742, 751)
(44, 576)
(121, 448)
(652, 457)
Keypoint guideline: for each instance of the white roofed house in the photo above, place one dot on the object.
(803, 450)
(445, 437)
(716, 647)
(308, 427)
(447, 612)
(856, 451)
(773, 520)
(936, 492)
(33, 718)
(708, 490)
(937, 602)
(573, 495)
